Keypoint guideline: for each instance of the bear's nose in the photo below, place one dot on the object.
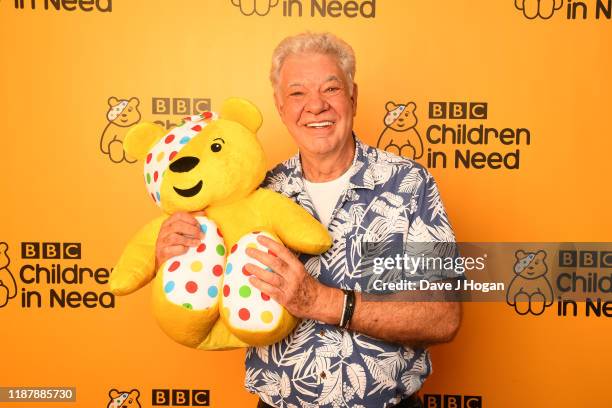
(184, 164)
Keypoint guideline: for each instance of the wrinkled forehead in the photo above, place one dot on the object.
(310, 68)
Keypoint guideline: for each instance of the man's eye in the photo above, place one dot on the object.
(296, 94)
(332, 89)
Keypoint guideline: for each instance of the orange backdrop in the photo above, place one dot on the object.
(60, 67)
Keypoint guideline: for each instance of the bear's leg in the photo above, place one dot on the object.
(408, 151)
(393, 148)
(115, 151)
(537, 303)
(187, 287)
(521, 303)
(251, 315)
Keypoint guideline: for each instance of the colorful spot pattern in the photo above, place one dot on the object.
(193, 280)
(249, 308)
(202, 278)
(394, 114)
(162, 153)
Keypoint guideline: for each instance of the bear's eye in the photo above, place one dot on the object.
(215, 147)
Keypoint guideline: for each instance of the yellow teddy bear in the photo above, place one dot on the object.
(203, 299)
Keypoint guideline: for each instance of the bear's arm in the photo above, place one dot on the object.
(136, 266)
(513, 289)
(548, 292)
(297, 229)
(108, 135)
(385, 139)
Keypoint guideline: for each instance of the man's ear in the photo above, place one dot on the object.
(278, 103)
(354, 99)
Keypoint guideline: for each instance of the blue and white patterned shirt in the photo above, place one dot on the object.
(320, 365)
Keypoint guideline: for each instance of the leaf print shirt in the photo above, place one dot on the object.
(320, 365)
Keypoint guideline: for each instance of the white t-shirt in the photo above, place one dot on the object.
(325, 195)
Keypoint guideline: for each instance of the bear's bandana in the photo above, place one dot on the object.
(162, 153)
(523, 263)
(394, 114)
(116, 110)
(118, 402)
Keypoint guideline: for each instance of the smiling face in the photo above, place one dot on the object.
(313, 98)
(224, 162)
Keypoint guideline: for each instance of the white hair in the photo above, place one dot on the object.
(317, 43)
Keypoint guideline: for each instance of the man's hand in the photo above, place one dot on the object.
(290, 285)
(414, 324)
(179, 232)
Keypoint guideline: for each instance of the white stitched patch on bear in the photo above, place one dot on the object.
(245, 306)
(116, 110)
(394, 114)
(193, 280)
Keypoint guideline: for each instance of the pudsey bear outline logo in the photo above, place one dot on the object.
(124, 399)
(8, 286)
(400, 135)
(530, 291)
(121, 116)
(260, 7)
(533, 9)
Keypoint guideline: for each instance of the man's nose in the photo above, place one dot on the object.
(316, 104)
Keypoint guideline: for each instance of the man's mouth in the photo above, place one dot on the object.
(190, 192)
(320, 125)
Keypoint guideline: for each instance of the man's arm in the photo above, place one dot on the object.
(407, 323)
(414, 324)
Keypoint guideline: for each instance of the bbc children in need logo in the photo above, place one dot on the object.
(52, 274)
(456, 135)
(307, 8)
(570, 9)
(123, 113)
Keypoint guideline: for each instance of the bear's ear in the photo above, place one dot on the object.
(411, 107)
(390, 106)
(242, 111)
(3, 247)
(541, 254)
(134, 101)
(135, 392)
(112, 101)
(520, 254)
(113, 393)
(141, 138)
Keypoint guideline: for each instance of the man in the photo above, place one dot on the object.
(346, 351)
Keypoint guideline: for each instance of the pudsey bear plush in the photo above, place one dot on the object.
(203, 299)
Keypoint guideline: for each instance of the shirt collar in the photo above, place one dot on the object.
(362, 171)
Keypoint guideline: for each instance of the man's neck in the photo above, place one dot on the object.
(318, 169)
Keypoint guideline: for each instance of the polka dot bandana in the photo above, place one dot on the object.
(160, 155)
(116, 110)
(118, 401)
(523, 263)
(394, 114)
